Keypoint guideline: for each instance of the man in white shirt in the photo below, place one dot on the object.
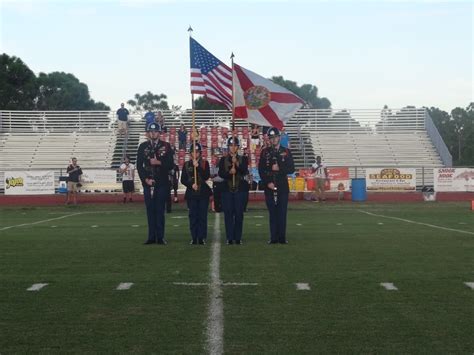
(127, 170)
(320, 172)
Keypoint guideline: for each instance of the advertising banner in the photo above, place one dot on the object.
(338, 179)
(29, 182)
(453, 179)
(96, 179)
(391, 179)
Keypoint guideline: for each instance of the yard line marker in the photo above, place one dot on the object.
(389, 286)
(303, 286)
(190, 283)
(338, 224)
(175, 225)
(257, 216)
(470, 284)
(135, 225)
(124, 286)
(36, 287)
(298, 224)
(56, 218)
(53, 226)
(94, 226)
(420, 223)
(215, 324)
(258, 225)
(239, 284)
(178, 217)
(380, 223)
(462, 223)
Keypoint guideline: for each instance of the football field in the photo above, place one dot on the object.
(354, 278)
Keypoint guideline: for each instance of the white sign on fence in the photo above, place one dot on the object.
(454, 179)
(29, 182)
(391, 179)
(99, 179)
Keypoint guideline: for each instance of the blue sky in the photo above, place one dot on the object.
(358, 54)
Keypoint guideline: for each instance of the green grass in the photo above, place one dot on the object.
(346, 311)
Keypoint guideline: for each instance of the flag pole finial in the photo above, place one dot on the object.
(232, 55)
(190, 30)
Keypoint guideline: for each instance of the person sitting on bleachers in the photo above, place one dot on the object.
(182, 137)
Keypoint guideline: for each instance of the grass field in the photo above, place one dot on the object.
(342, 251)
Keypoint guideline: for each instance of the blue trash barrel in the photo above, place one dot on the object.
(359, 190)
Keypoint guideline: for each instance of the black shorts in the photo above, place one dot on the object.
(128, 186)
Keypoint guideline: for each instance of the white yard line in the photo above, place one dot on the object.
(470, 285)
(42, 221)
(190, 284)
(56, 218)
(420, 223)
(239, 284)
(215, 324)
(389, 286)
(303, 286)
(36, 287)
(124, 286)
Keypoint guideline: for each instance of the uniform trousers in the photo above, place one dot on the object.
(155, 211)
(233, 207)
(277, 214)
(198, 217)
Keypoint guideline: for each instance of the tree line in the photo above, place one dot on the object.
(21, 89)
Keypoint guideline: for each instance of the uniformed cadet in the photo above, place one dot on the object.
(197, 193)
(275, 164)
(233, 168)
(154, 160)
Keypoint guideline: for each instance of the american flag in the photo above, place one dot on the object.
(209, 76)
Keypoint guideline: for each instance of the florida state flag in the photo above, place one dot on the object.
(261, 101)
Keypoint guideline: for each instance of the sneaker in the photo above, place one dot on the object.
(238, 242)
(202, 241)
(192, 242)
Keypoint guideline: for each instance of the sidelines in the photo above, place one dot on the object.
(215, 324)
(56, 218)
(420, 223)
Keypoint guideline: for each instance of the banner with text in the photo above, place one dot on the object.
(390, 179)
(454, 179)
(29, 182)
(95, 179)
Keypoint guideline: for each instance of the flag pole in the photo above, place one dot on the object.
(233, 113)
(193, 129)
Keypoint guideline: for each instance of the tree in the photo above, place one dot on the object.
(148, 102)
(202, 103)
(457, 131)
(18, 85)
(308, 92)
(61, 91)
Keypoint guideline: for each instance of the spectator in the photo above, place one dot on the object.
(73, 181)
(321, 176)
(224, 139)
(161, 121)
(122, 115)
(254, 137)
(149, 118)
(284, 138)
(182, 137)
(173, 176)
(217, 185)
(127, 170)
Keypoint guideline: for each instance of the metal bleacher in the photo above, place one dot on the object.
(344, 138)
